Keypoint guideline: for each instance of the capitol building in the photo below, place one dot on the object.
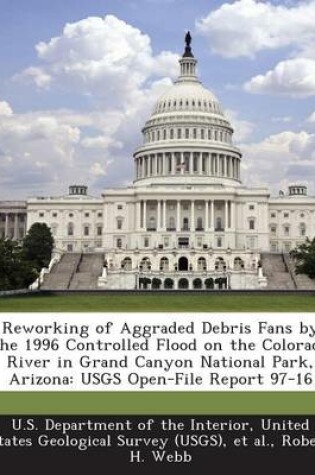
(187, 221)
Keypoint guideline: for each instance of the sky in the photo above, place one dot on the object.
(78, 80)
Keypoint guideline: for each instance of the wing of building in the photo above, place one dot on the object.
(187, 221)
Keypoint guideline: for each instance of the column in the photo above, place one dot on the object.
(225, 165)
(173, 163)
(200, 163)
(192, 216)
(158, 227)
(207, 215)
(178, 216)
(232, 215)
(16, 220)
(217, 164)
(191, 163)
(138, 215)
(226, 219)
(6, 229)
(135, 172)
(209, 164)
(212, 214)
(144, 215)
(164, 216)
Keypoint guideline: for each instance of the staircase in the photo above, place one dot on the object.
(276, 271)
(75, 271)
(303, 282)
(87, 272)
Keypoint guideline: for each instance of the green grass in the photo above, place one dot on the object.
(152, 302)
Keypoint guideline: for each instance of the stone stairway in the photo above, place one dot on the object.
(60, 276)
(303, 282)
(276, 271)
(87, 272)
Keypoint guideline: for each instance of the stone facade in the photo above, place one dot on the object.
(187, 221)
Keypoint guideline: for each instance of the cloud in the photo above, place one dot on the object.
(5, 108)
(242, 128)
(293, 77)
(245, 27)
(112, 63)
(280, 159)
(105, 57)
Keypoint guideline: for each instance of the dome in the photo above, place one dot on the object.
(187, 138)
(190, 97)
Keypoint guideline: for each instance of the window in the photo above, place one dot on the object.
(302, 229)
(183, 242)
(251, 223)
(171, 133)
(202, 134)
(219, 242)
(119, 223)
(199, 224)
(273, 215)
(251, 207)
(119, 243)
(179, 133)
(146, 242)
(171, 223)
(41, 215)
(186, 133)
(86, 231)
(194, 133)
(285, 215)
(69, 247)
(119, 206)
(164, 134)
(54, 215)
(99, 215)
(70, 229)
(70, 215)
(286, 230)
(164, 264)
(86, 215)
(99, 230)
(273, 229)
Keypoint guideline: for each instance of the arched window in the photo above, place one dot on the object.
(171, 133)
(126, 264)
(220, 264)
(70, 229)
(145, 264)
(201, 264)
(238, 263)
(164, 264)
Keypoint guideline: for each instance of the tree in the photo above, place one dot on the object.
(304, 255)
(15, 273)
(38, 245)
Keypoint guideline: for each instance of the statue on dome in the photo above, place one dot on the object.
(188, 53)
(188, 39)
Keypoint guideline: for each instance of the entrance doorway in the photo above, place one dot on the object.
(182, 264)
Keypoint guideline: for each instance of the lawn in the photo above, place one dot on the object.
(155, 302)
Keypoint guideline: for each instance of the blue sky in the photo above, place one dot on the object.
(78, 79)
